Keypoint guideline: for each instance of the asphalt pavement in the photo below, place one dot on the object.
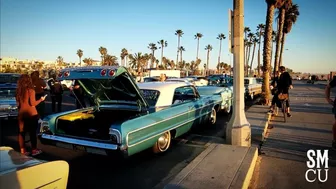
(143, 170)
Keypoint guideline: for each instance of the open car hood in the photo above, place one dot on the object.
(107, 85)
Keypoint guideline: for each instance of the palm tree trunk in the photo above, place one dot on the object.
(197, 48)
(126, 60)
(181, 58)
(259, 56)
(282, 47)
(254, 47)
(207, 67)
(267, 53)
(272, 49)
(248, 59)
(178, 48)
(161, 55)
(80, 61)
(245, 58)
(220, 51)
(279, 39)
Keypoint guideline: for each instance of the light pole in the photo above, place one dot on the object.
(238, 130)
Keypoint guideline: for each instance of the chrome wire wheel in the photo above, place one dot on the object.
(163, 143)
(213, 116)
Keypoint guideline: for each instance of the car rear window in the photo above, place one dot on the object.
(151, 96)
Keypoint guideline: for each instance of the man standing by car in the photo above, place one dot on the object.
(78, 94)
(332, 84)
(56, 92)
(284, 84)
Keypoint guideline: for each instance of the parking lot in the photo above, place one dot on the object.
(144, 170)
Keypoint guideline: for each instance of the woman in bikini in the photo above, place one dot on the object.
(28, 116)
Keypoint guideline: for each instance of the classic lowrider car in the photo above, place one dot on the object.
(123, 119)
(8, 107)
(20, 171)
(161, 95)
(252, 87)
(226, 93)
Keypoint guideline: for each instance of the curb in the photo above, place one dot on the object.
(242, 179)
(267, 120)
(244, 174)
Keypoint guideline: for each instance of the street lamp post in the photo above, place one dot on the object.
(238, 131)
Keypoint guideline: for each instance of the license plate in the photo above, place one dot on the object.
(78, 147)
(64, 145)
(96, 151)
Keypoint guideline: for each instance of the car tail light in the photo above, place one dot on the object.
(60, 74)
(103, 73)
(66, 74)
(111, 73)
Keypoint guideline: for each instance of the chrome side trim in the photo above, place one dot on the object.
(80, 142)
(158, 122)
(181, 124)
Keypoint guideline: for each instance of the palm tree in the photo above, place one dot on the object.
(290, 18)
(179, 34)
(59, 61)
(162, 44)
(123, 55)
(153, 48)
(198, 36)
(88, 61)
(260, 30)
(220, 36)
(246, 31)
(110, 60)
(254, 42)
(274, 36)
(137, 61)
(271, 6)
(103, 53)
(249, 44)
(181, 49)
(80, 54)
(208, 48)
(285, 4)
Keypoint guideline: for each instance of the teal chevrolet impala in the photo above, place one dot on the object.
(127, 117)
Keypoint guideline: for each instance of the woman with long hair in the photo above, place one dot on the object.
(39, 86)
(28, 116)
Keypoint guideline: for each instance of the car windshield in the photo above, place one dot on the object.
(151, 96)
(209, 90)
(7, 92)
(9, 78)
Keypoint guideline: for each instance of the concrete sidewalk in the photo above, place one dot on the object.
(282, 163)
(225, 166)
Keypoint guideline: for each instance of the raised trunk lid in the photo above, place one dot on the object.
(107, 85)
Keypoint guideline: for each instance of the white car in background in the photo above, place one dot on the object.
(185, 80)
(66, 83)
(199, 80)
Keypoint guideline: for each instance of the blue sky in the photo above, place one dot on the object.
(40, 29)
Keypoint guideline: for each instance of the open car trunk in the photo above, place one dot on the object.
(92, 125)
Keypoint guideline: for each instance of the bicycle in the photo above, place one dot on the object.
(284, 107)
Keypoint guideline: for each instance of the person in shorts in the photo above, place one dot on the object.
(331, 85)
